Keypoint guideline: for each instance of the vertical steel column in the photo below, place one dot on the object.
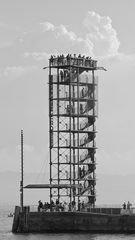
(73, 90)
(70, 133)
(94, 105)
(58, 133)
(50, 127)
(78, 136)
(21, 182)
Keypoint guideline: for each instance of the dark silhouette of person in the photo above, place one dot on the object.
(124, 205)
(40, 205)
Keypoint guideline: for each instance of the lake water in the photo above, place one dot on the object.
(6, 234)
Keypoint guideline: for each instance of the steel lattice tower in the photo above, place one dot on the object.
(73, 99)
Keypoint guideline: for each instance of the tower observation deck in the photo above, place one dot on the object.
(73, 109)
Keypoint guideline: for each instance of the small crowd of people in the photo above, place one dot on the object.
(47, 206)
(127, 206)
(73, 60)
(60, 207)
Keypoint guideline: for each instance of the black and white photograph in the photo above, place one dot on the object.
(67, 119)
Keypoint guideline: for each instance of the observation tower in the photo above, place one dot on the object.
(73, 109)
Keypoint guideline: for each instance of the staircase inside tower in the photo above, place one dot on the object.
(73, 112)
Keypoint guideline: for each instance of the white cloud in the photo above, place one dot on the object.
(13, 71)
(62, 31)
(97, 37)
(100, 32)
(47, 26)
(58, 31)
(37, 55)
(16, 71)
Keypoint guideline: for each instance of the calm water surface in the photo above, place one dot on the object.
(6, 234)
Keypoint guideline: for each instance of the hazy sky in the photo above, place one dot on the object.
(31, 30)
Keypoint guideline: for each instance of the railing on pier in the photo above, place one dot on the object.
(99, 210)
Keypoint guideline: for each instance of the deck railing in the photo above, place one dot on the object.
(100, 210)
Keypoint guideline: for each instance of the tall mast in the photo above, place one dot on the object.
(21, 182)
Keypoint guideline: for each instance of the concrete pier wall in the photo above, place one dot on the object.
(39, 222)
(15, 224)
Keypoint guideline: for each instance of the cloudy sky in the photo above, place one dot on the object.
(32, 30)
